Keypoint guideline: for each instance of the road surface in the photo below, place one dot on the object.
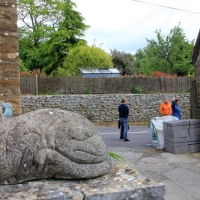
(140, 137)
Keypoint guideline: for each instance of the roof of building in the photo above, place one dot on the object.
(196, 49)
(99, 71)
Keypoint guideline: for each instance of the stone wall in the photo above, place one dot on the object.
(197, 67)
(195, 99)
(9, 60)
(103, 108)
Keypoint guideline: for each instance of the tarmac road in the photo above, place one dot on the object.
(179, 173)
(140, 137)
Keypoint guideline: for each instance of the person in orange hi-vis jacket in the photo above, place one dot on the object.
(166, 107)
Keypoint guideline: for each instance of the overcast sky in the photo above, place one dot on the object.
(124, 24)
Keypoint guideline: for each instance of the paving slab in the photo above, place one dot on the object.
(179, 173)
(188, 180)
(174, 192)
(183, 158)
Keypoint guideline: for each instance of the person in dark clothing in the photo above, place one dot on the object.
(176, 111)
(123, 118)
(121, 129)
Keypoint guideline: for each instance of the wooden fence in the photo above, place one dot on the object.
(120, 85)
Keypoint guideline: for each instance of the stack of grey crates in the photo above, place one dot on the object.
(182, 136)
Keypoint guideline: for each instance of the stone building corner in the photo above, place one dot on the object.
(9, 56)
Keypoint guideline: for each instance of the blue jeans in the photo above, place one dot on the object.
(124, 121)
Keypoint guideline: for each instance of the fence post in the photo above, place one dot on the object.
(188, 85)
(161, 84)
(36, 84)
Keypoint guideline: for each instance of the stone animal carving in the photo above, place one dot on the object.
(51, 144)
(1, 114)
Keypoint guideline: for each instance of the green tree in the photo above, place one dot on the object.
(170, 54)
(84, 57)
(50, 28)
(22, 67)
(138, 57)
(123, 61)
(68, 36)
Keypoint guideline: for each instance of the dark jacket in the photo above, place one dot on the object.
(176, 111)
(123, 111)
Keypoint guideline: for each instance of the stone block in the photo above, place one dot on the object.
(11, 72)
(177, 150)
(10, 91)
(14, 100)
(176, 144)
(7, 3)
(194, 138)
(194, 123)
(9, 47)
(176, 133)
(194, 131)
(6, 36)
(10, 82)
(176, 125)
(194, 126)
(164, 126)
(177, 140)
(7, 12)
(194, 147)
(6, 25)
(177, 128)
(121, 183)
(9, 57)
(16, 110)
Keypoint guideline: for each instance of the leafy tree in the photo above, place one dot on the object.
(65, 38)
(170, 54)
(123, 61)
(22, 67)
(84, 57)
(40, 18)
(50, 28)
(138, 57)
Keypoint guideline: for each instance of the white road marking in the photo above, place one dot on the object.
(128, 132)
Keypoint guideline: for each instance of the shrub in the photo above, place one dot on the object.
(87, 91)
(32, 73)
(162, 74)
(140, 75)
(136, 90)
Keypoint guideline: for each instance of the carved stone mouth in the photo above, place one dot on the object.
(87, 152)
(81, 156)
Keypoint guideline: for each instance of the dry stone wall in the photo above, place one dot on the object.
(197, 67)
(103, 108)
(9, 65)
(196, 97)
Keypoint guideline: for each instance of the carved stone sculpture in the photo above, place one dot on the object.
(1, 112)
(51, 144)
